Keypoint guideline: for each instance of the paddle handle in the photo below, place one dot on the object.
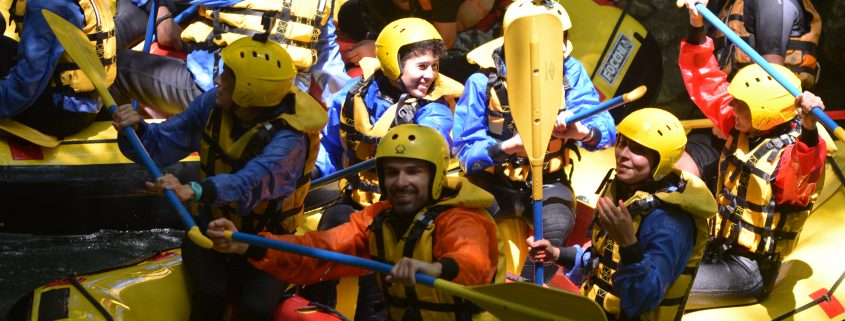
(193, 231)
(354, 169)
(607, 105)
(714, 20)
(347, 259)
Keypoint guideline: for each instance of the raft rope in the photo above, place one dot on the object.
(90, 298)
(826, 297)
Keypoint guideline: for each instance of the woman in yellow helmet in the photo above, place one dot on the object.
(650, 227)
(257, 137)
(769, 171)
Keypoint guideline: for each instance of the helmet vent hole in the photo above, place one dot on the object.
(757, 79)
(242, 54)
(395, 136)
(279, 64)
(668, 127)
(267, 57)
(254, 54)
(659, 132)
(412, 137)
(770, 77)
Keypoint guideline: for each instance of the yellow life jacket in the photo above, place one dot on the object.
(800, 51)
(220, 153)
(99, 27)
(691, 196)
(297, 27)
(500, 124)
(388, 245)
(748, 216)
(359, 136)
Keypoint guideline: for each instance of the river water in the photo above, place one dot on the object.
(29, 261)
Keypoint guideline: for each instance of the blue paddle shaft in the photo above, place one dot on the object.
(714, 20)
(347, 259)
(185, 14)
(155, 172)
(538, 235)
(587, 112)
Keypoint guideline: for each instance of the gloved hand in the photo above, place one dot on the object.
(581, 267)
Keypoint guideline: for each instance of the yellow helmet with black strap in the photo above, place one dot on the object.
(768, 101)
(415, 142)
(398, 34)
(264, 72)
(659, 131)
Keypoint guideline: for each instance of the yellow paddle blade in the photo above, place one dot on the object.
(525, 301)
(534, 61)
(78, 47)
(30, 134)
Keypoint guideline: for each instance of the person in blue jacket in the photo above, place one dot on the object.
(650, 227)
(41, 87)
(490, 150)
(304, 28)
(406, 88)
(257, 137)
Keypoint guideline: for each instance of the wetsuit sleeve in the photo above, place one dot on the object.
(706, 84)
(583, 95)
(798, 173)
(350, 238)
(330, 157)
(665, 243)
(470, 128)
(437, 115)
(174, 139)
(468, 238)
(37, 56)
(329, 72)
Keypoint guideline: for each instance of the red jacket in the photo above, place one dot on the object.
(800, 166)
(467, 236)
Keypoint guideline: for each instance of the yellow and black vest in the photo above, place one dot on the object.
(748, 216)
(297, 27)
(801, 51)
(422, 302)
(359, 136)
(99, 27)
(221, 153)
(500, 126)
(692, 196)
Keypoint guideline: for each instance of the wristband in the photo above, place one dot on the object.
(197, 191)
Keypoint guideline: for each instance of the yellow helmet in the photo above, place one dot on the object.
(397, 34)
(657, 130)
(770, 103)
(524, 8)
(416, 142)
(264, 72)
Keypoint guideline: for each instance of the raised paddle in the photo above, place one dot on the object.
(343, 173)
(507, 301)
(78, 47)
(730, 34)
(534, 63)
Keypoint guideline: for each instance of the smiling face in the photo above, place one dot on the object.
(408, 183)
(633, 161)
(418, 73)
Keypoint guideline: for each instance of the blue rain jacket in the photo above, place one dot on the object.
(470, 130)
(272, 174)
(37, 58)
(435, 114)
